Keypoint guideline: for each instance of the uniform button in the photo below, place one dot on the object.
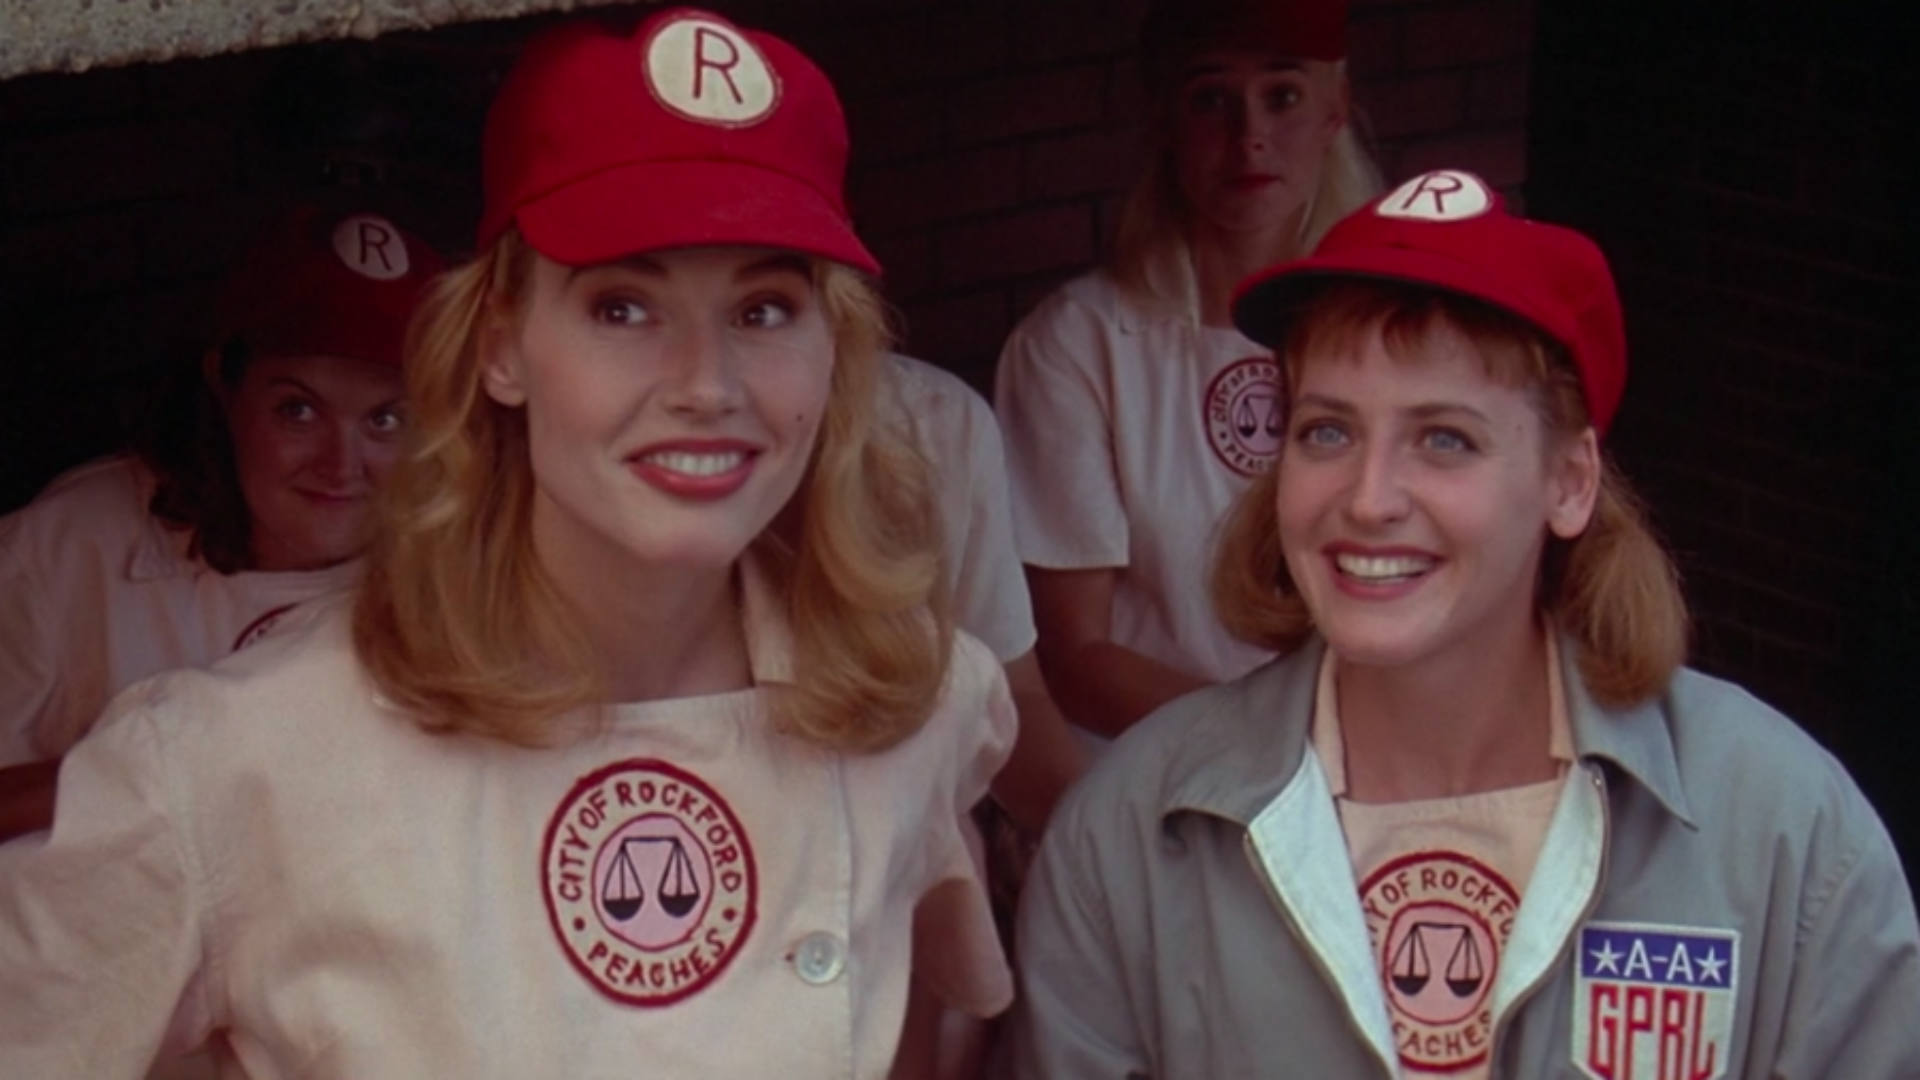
(819, 958)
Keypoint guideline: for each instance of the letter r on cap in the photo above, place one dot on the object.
(374, 238)
(370, 246)
(1440, 195)
(1439, 185)
(701, 62)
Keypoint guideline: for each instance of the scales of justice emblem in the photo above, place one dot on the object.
(1439, 921)
(654, 844)
(650, 881)
(1411, 970)
(1245, 417)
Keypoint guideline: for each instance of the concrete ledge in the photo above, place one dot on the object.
(75, 35)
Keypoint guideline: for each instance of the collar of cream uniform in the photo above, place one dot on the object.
(1170, 269)
(764, 623)
(769, 632)
(159, 551)
(1331, 748)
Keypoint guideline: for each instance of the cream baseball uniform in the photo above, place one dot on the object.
(96, 593)
(1129, 434)
(687, 892)
(957, 432)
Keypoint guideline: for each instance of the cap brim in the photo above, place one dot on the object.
(658, 205)
(1266, 304)
(321, 310)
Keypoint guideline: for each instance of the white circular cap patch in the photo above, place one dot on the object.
(709, 72)
(371, 247)
(1441, 195)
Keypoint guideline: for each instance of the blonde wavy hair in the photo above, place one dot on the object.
(1612, 590)
(459, 624)
(1152, 258)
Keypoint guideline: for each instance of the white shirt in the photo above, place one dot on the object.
(96, 593)
(686, 893)
(957, 432)
(1129, 435)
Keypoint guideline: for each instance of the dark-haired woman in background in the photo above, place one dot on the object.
(256, 499)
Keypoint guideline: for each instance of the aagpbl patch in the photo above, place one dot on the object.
(650, 881)
(1244, 417)
(1653, 1002)
(1439, 921)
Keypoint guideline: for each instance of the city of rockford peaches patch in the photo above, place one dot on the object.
(650, 881)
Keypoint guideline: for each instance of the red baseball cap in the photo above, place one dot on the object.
(687, 132)
(1449, 230)
(323, 282)
(1176, 29)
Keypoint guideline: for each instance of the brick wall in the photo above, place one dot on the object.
(992, 143)
(1741, 174)
(989, 175)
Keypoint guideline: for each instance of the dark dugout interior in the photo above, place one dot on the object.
(1745, 172)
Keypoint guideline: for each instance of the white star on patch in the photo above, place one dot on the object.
(1710, 967)
(1605, 957)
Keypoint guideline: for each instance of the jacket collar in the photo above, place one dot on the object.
(1243, 740)
(1637, 739)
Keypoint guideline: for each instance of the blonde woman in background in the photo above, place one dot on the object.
(1134, 411)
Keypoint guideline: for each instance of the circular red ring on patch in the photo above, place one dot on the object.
(1439, 923)
(649, 881)
(259, 627)
(1245, 418)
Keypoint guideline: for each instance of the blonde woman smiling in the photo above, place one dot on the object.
(644, 743)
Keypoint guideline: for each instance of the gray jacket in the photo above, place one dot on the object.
(1193, 913)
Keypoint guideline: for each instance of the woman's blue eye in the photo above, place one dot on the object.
(1320, 434)
(295, 409)
(767, 314)
(386, 421)
(620, 312)
(1283, 97)
(1207, 99)
(1447, 441)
